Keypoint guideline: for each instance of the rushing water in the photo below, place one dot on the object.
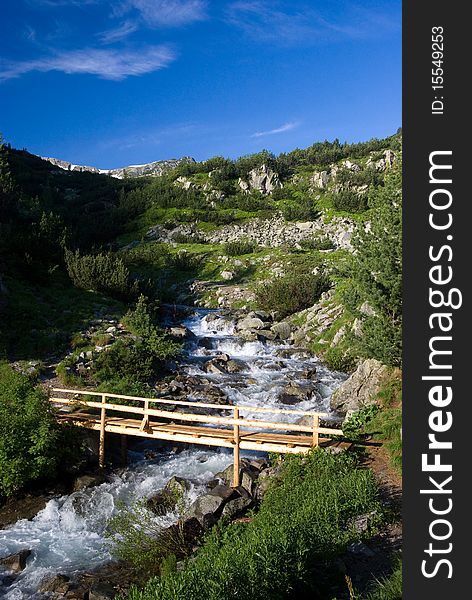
(67, 536)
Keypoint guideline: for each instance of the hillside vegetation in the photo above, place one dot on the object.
(311, 239)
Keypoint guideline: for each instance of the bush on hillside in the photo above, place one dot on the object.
(350, 201)
(29, 434)
(105, 273)
(291, 293)
(240, 247)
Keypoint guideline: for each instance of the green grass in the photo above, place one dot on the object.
(287, 547)
(43, 318)
(388, 588)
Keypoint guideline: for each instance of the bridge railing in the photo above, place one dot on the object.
(234, 421)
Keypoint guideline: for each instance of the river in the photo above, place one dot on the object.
(67, 536)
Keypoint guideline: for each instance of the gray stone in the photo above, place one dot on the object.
(296, 392)
(360, 388)
(237, 507)
(87, 481)
(58, 584)
(16, 562)
(102, 591)
(250, 323)
(228, 275)
(360, 549)
(206, 509)
(282, 330)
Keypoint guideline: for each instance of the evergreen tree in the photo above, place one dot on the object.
(376, 271)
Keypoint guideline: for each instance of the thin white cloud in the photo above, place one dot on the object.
(119, 33)
(105, 63)
(271, 21)
(166, 13)
(282, 129)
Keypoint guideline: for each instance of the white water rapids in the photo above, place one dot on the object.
(67, 536)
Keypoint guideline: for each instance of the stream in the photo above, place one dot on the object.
(67, 536)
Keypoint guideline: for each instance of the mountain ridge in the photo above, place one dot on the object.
(154, 168)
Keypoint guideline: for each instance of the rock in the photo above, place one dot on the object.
(360, 549)
(102, 591)
(223, 491)
(339, 335)
(212, 366)
(282, 330)
(58, 584)
(263, 179)
(360, 388)
(265, 334)
(235, 366)
(247, 480)
(167, 498)
(16, 562)
(182, 533)
(366, 309)
(320, 180)
(228, 275)
(296, 392)
(87, 481)
(180, 333)
(250, 323)
(77, 593)
(237, 507)
(206, 509)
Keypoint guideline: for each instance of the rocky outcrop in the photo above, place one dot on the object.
(153, 169)
(15, 562)
(263, 180)
(270, 233)
(360, 388)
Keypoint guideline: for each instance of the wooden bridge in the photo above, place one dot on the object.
(190, 425)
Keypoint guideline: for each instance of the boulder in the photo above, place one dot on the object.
(87, 481)
(282, 330)
(180, 333)
(360, 388)
(58, 584)
(16, 562)
(227, 275)
(250, 323)
(237, 507)
(102, 591)
(206, 509)
(296, 392)
(263, 179)
(167, 498)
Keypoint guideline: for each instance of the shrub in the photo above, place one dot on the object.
(338, 359)
(299, 212)
(349, 201)
(100, 272)
(29, 438)
(291, 293)
(320, 243)
(137, 537)
(239, 247)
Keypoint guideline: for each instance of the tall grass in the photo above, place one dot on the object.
(303, 522)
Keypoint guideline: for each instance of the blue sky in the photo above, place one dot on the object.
(116, 82)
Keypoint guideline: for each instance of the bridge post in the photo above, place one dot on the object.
(316, 424)
(101, 450)
(236, 451)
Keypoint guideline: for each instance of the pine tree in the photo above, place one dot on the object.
(376, 272)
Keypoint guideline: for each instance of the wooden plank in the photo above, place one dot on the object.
(201, 418)
(197, 404)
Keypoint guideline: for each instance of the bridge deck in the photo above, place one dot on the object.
(211, 436)
(167, 423)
